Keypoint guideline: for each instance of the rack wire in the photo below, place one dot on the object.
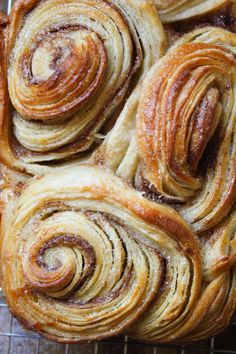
(16, 340)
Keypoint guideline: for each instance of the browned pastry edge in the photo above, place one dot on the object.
(224, 18)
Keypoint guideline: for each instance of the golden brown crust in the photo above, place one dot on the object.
(5, 141)
(180, 10)
(126, 243)
(216, 304)
(141, 271)
(91, 50)
(179, 115)
(184, 154)
(83, 255)
(161, 111)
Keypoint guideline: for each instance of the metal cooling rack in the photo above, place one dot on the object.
(16, 340)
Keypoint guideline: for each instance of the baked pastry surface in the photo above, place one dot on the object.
(84, 255)
(181, 123)
(94, 250)
(172, 10)
(69, 67)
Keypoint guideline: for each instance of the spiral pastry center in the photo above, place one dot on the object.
(70, 65)
(85, 263)
(92, 260)
(186, 113)
(67, 258)
(203, 125)
(67, 64)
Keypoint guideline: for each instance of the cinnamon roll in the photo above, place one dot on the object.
(184, 118)
(83, 256)
(70, 66)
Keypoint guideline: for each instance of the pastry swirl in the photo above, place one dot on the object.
(171, 10)
(184, 119)
(69, 68)
(83, 255)
(217, 299)
(195, 112)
